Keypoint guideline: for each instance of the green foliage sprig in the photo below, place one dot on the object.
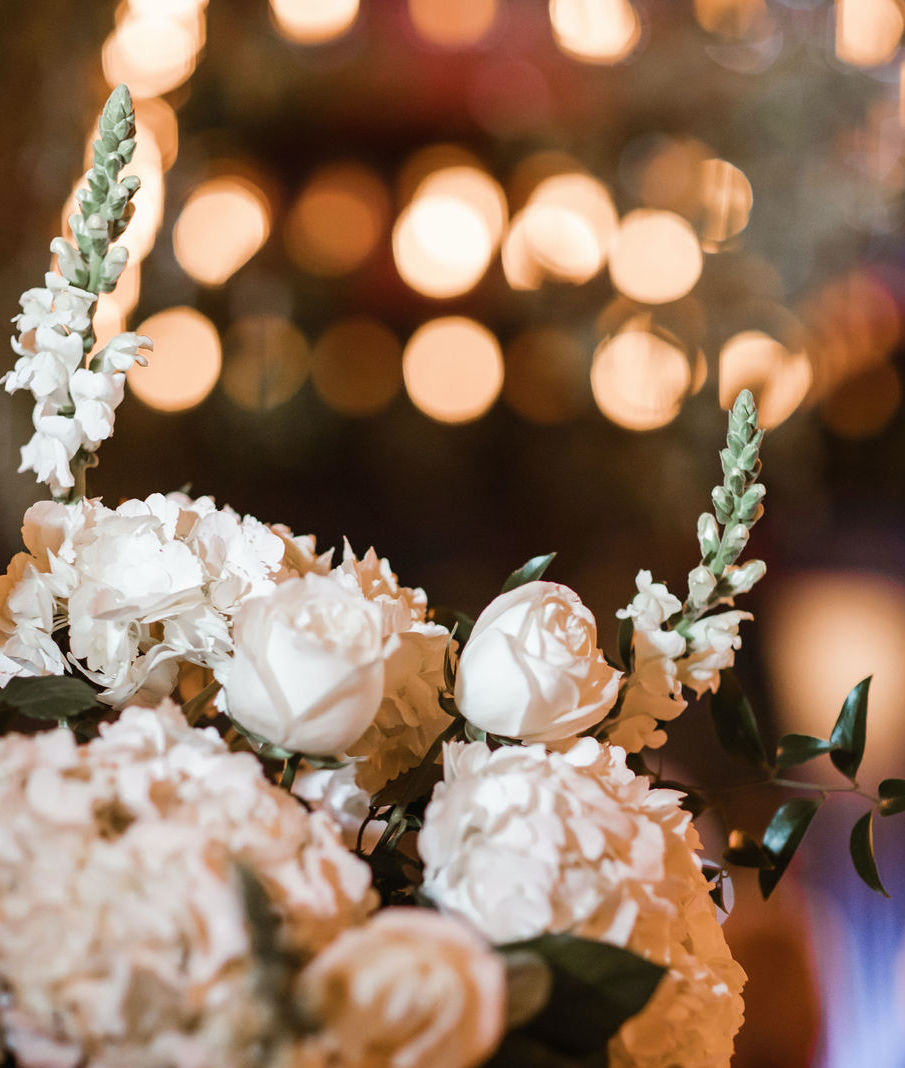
(105, 206)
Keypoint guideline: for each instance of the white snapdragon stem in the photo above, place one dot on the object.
(75, 398)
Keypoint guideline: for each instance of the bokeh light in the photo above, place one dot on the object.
(778, 378)
(442, 245)
(155, 120)
(868, 32)
(357, 366)
(595, 31)
(265, 362)
(640, 379)
(221, 226)
(453, 25)
(726, 202)
(185, 364)
(313, 21)
(563, 232)
(865, 404)
(109, 320)
(731, 19)
(473, 186)
(547, 375)
(664, 172)
(453, 369)
(337, 220)
(824, 632)
(655, 257)
(151, 53)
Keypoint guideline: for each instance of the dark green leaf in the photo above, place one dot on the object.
(449, 675)
(521, 1050)
(596, 988)
(850, 731)
(892, 794)
(474, 734)
(861, 847)
(797, 748)
(55, 697)
(529, 572)
(745, 851)
(626, 633)
(454, 621)
(783, 836)
(734, 720)
(421, 778)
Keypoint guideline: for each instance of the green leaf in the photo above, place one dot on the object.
(783, 836)
(54, 697)
(529, 572)
(797, 748)
(892, 795)
(861, 847)
(626, 633)
(850, 731)
(596, 988)
(454, 621)
(734, 720)
(745, 851)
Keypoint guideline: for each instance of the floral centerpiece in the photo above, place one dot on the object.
(263, 807)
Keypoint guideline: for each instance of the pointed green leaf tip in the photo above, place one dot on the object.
(861, 847)
(530, 572)
(782, 837)
(850, 731)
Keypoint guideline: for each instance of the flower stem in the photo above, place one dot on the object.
(194, 709)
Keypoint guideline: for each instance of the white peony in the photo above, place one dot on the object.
(410, 989)
(531, 668)
(308, 669)
(520, 842)
(123, 938)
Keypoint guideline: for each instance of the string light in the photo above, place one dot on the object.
(655, 257)
(639, 379)
(595, 31)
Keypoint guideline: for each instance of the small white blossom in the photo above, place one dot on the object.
(119, 354)
(712, 642)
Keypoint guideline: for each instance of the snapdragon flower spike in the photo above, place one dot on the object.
(75, 393)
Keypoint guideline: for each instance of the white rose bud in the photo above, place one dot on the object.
(409, 989)
(531, 668)
(308, 669)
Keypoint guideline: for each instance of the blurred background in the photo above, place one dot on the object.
(472, 280)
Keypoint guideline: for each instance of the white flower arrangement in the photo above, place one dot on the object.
(515, 887)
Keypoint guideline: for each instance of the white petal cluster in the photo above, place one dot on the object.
(75, 400)
(409, 989)
(710, 648)
(141, 589)
(123, 937)
(665, 661)
(652, 692)
(521, 841)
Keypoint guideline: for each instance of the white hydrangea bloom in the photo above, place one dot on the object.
(521, 841)
(122, 935)
(373, 576)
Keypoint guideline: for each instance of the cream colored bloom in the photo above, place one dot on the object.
(712, 643)
(410, 989)
(123, 938)
(308, 670)
(531, 668)
(520, 842)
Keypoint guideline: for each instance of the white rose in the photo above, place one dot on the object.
(308, 670)
(531, 668)
(410, 989)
